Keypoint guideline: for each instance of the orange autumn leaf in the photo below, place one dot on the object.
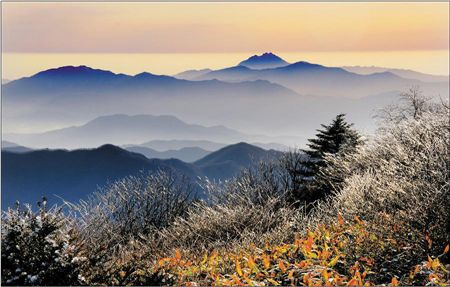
(266, 261)
(309, 243)
(429, 262)
(252, 265)
(236, 281)
(358, 277)
(177, 254)
(260, 275)
(325, 274)
(282, 266)
(429, 241)
(238, 267)
(446, 249)
(340, 219)
(433, 277)
(163, 261)
(352, 282)
(306, 278)
(394, 281)
(413, 273)
(302, 264)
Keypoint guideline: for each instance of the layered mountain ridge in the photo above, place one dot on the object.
(73, 175)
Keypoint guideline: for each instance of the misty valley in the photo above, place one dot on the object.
(263, 173)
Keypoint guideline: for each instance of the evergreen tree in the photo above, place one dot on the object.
(337, 137)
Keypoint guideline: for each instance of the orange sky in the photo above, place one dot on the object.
(37, 36)
(223, 27)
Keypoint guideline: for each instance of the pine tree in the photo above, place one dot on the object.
(334, 138)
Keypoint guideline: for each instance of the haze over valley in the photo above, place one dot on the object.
(154, 122)
(278, 102)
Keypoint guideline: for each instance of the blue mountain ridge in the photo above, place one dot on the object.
(73, 175)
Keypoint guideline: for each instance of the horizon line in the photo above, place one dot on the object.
(225, 52)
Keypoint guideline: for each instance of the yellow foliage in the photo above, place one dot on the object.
(310, 261)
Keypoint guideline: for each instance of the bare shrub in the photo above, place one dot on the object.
(292, 163)
(114, 220)
(400, 180)
(411, 105)
(251, 208)
(253, 186)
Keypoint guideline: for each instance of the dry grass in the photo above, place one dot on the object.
(388, 222)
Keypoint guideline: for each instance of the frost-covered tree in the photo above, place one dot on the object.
(400, 178)
(37, 248)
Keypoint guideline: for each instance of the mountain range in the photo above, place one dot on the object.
(404, 73)
(74, 81)
(71, 95)
(285, 102)
(263, 100)
(163, 145)
(73, 175)
(186, 154)
(314, 79)
(123, 129)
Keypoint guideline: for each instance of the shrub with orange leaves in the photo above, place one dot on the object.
(320, 258)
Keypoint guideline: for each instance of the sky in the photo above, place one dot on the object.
(35, 35)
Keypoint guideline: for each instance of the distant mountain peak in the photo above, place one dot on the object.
(70, 69)
(110, 148)
(305, 64)
(82, 71)
(264, 61)
(144, 74)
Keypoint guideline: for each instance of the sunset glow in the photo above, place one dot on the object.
(229, 31)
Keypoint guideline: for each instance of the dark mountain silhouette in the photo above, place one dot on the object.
(264, 61)
(186, 154)
(73, 175)
(228, 161)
